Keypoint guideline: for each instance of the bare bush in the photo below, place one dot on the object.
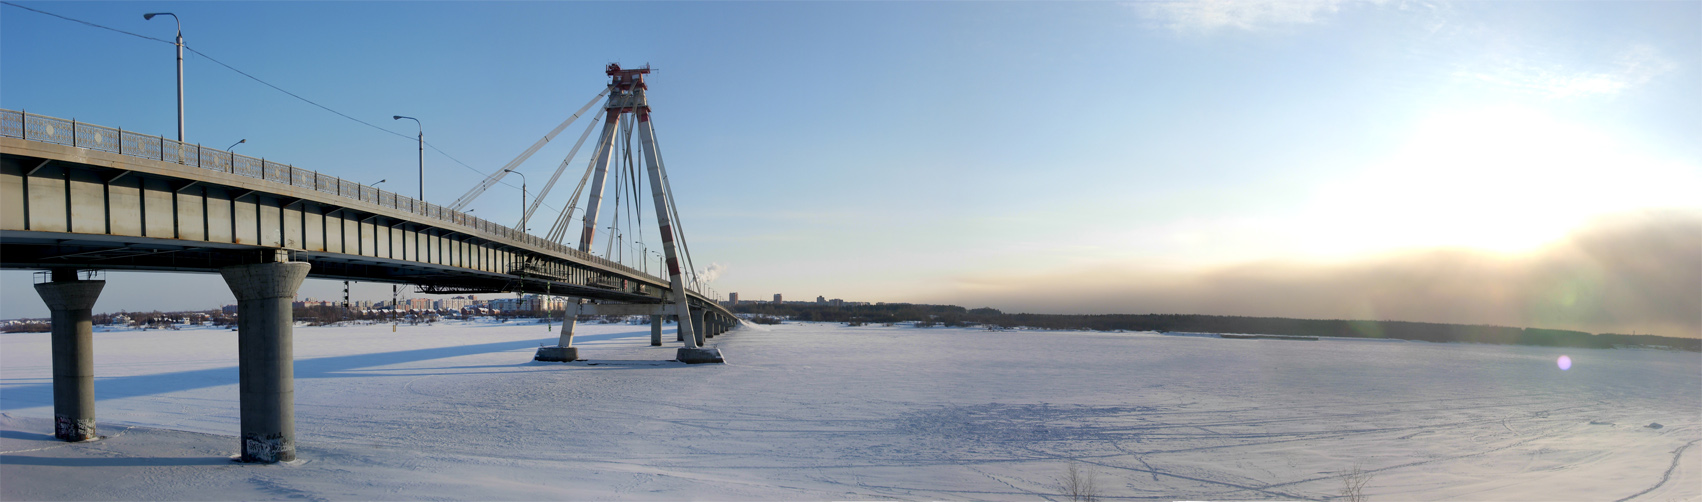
(1353, 483)
(1078, 485)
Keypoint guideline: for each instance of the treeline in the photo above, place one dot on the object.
(951, 315)
(324, 315)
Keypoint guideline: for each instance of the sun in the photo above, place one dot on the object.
(1501, 179)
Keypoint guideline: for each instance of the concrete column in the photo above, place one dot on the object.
(266, 354)
(569, 318)
(697, 325)
(679, 334)
(564, 351)
(655, 331)
(72, 302)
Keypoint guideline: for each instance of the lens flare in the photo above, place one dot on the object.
(1565, 363)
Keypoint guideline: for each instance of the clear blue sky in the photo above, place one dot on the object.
(1053, 157)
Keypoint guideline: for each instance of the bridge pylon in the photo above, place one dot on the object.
(627, 104)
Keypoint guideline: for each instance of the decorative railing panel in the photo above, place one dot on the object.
(139, 145)
(11, 124)
(327, 184)
(348, 189)
(303, 178)
(96, 137)
(275, 171)
(47, 129)
(221, 163)
(246, 166)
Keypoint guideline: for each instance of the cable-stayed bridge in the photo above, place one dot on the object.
(77, 198)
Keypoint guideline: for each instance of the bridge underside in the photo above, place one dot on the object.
(46, 251)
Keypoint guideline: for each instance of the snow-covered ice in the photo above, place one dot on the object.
(822, 411)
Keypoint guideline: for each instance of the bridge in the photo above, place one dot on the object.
(77, 198)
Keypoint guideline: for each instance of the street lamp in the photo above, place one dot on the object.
(375, 185)
(233, 145)
(522, 199)
(179, 45)
(422, 151)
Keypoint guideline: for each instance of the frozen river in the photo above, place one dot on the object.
(821, 411)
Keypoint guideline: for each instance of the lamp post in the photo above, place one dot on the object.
(233, 145)
(422, 151)
(522, 199)
(179, 45)
(375, 185)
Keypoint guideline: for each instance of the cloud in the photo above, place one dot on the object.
(1210, 15)
(1634, 272)
(1631, 67)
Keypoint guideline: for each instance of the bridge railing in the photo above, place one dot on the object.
(32, 127)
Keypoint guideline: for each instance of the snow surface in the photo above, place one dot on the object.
(820, 411)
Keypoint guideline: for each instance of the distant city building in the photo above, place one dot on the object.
(821, 299)
(528, 302)
(540, 302)
(458, 303)
(777, 298)
(310, 302)
(837, 302)
(733, 298)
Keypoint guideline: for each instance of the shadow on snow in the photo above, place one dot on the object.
(41, 394)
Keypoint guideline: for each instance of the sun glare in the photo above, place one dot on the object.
(1499, 179)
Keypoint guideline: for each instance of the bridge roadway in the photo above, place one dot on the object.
(77, 197)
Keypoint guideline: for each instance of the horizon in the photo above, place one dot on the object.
(1508, 164)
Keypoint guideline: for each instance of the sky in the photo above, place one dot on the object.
(1336, 159)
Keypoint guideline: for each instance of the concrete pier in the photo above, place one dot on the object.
(699, 355)
(679, 334)
(564, 351)
(266, 354)
(72, 302)
(655, 331)
(697, 327)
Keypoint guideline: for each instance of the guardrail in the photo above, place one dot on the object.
(32, 127)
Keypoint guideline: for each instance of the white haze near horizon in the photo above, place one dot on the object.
(822, 411)
(1627, 273)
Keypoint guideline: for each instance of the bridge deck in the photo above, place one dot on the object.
(82, 196)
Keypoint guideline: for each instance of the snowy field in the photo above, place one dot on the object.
(807, 412)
